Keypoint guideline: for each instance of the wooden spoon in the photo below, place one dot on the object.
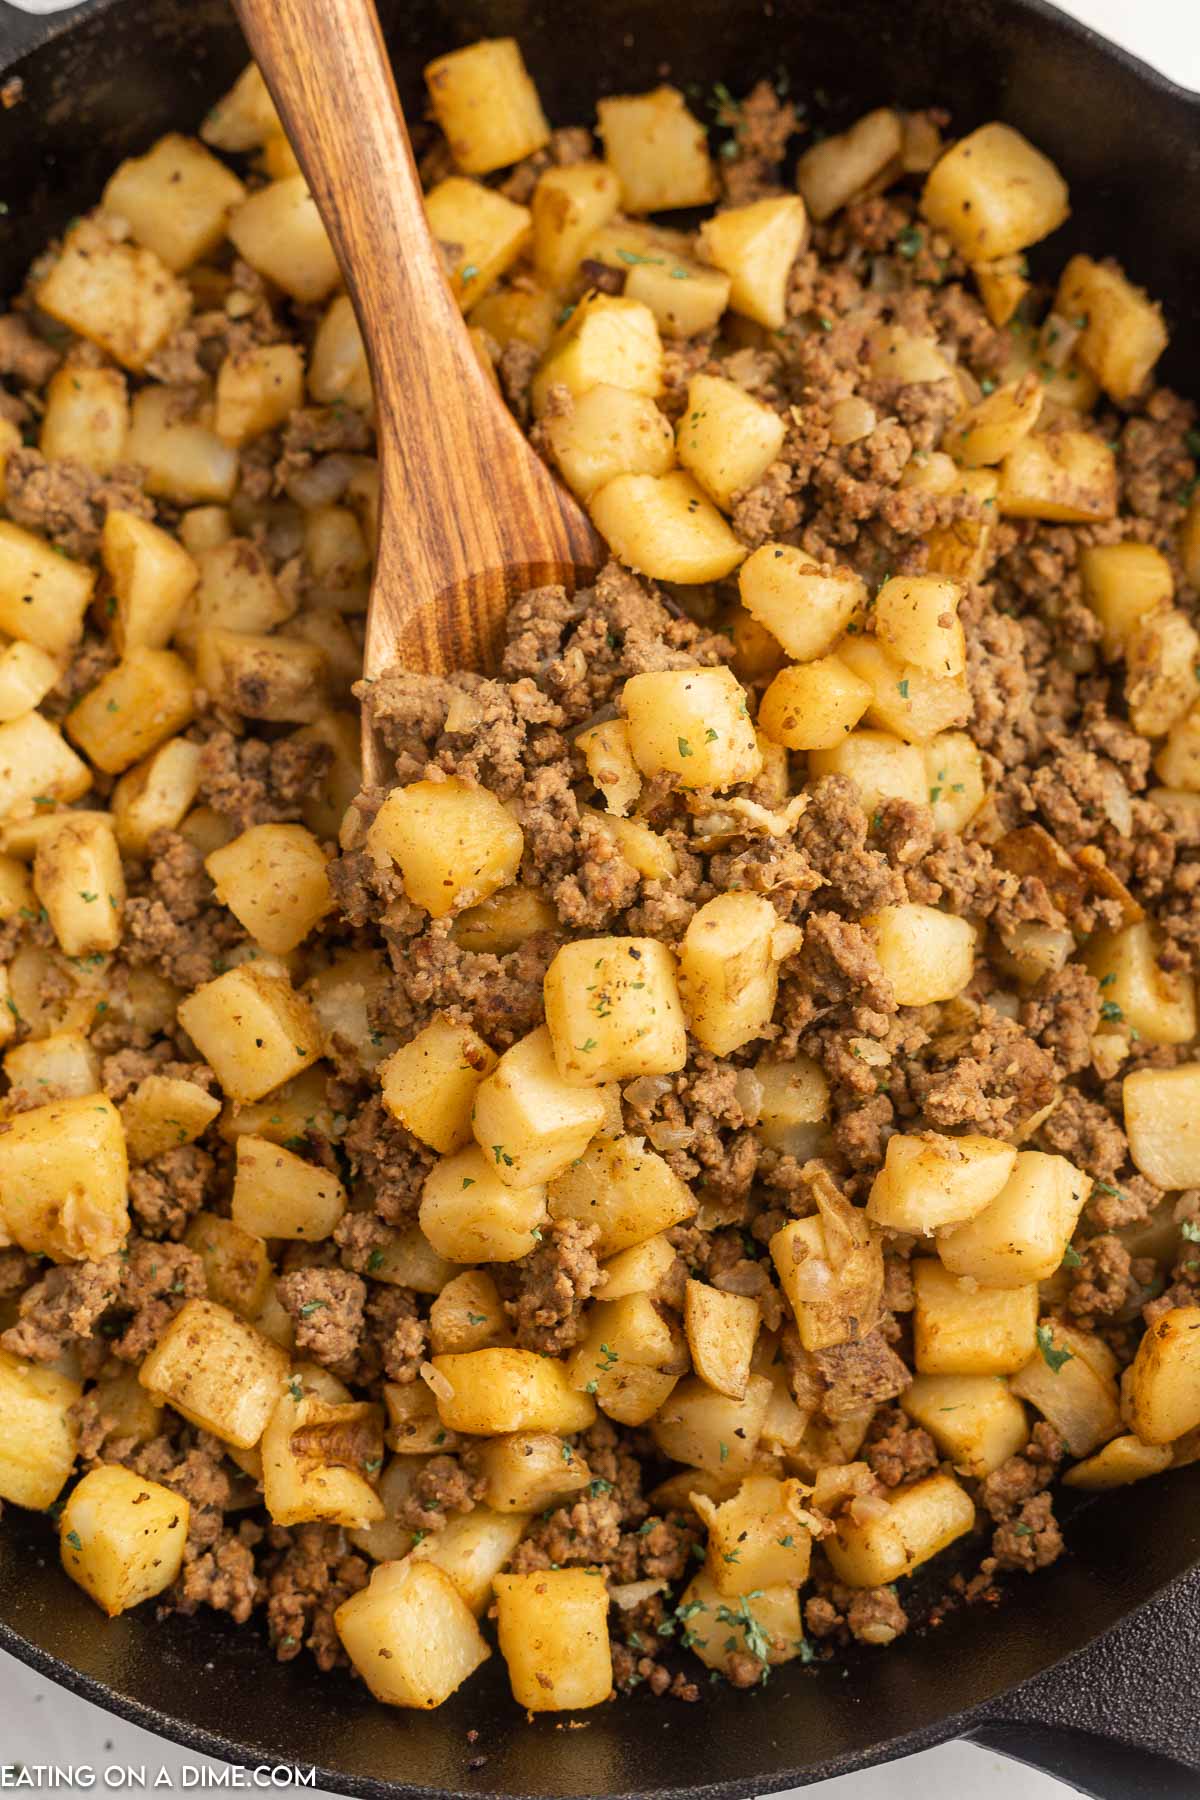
(469, 515)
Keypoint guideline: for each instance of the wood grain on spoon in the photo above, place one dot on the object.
(469, 516)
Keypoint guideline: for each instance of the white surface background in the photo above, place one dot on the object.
(41, 1724)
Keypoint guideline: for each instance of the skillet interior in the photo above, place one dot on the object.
(105, 84)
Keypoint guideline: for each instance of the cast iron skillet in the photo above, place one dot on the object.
(1120, 1716)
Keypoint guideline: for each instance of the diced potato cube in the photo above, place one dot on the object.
(1178, 762)
(628, 1192)
(905, 699)
(692, 724)
(183, 458)
(176, 199)
(43, 596)
(756, 246)
(729, 969)
(487, 105)
(916, 617)
(122, 1537)
(1121, 1461)
(830, 1266)
(726, 437)
(487, 231)
(528, 1471)
(713, 1431)
(606, 339)
(278, 231)
(896, 354)
(1161, 682)
(470, 1215)
(272, 878)
(26, 676)
(658, 150)
(931, 1180)
(1163, 1384)
(253, 1030)
(156, 795)
(665, 528)
(964, 1330)
(78, 878)
(880, 765)
(314, 1457)
(813, 705)
(64, 1061)
(471, 1550)
(454, 843)
(609, 431)
(761, 1538)
(237, 1269)
(243, 118)
(1123, 333)
(338, 369)
(993, 194)
(152, 577)
(921, 1520)
(1021, 1235)
(927, 955)
(833, 171)
(605, 749)
(284, 680)
(1139, 995)
(621, 1360)
(468, 1314)
(954, 770)
(276, 1194)
(613, 1010)
(1059, 475)
(64, 1179)
(987, 431)
(237, 591)
(86, 418)
(218, 1371)
(794, 1105)
(1124, 584)
(765, 1622)
(118, 295)
(975, 1420)
(257, 389)
(685, 297)
(1070, 1381)
(146, 699)
(485, 1392)
(553, 1631)
(963, 547)
(721, 1329)
(430, 1083)
(411, 1635)
(16, 890)
(37, 1449)
(1002, 284)
(532, 1121)
(1162, 1120)
(569, 206)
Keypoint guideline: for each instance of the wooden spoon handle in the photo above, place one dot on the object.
(469, 515)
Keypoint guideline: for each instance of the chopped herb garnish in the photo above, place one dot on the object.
(685, 749)
(909, 242)
(1071, 1258)
(75, 1541)
(310, 1307)
(1110, 1012)
(1052, 1357)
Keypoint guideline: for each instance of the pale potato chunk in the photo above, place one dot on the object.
(569, 206)
(1161, 683)
(237, 1270)
(176, 199)
(43, 596)
(993, 194)
(766, 1622)
(613, 1010)
(685, 297)
(64, 1177)
(833, 171)
(729, 969)
(1162, 1120)
(1070, 1380)
(237, 592)
(39, 1440)
(1178, 762)
(257, 389)
(905, 699)
(272, 878)
(793, 1106)
(486, 103)
(756, 246)
(759, 1538)
(64, 1061)
(721, 1330)
(243, 118)
(963, 547)
(470, 1215)
(156, 794)
(813, 705)
(610, 764)
(253, 1029)
(646, 851)
(276, 1194)
(830, 1266)
(430, 1083)
(152, 577)
(1021, 1235)
(472, 1549)
(726, 437)
(713, 1431)
(975, 1420)
(987, 431)
(531, 1121)
(504, 921)
(630, 1359)
(164, 1111)
(454, 843)
(1121, 1461)
(629, 1192)
(804, 606)
(120, 296)
(122, 1537)
(411, 1635)
(963, 1330)
(1123, 332)
(1139, 994)
(1002, 284)
(487, 232)
(921, 1520)
(147, 698)
(489, 1391)
(927, 955)
(468, 1314)
(658, 151)
(881, 766)
(665, 527)
(78, 878)
(314, 1456)
(1059, 475)
(954, 770)
(218, 1371)
(282, 679)
(338, 369)
(183, 458)
(692, 724)
(931, 1180)
(609, 431)
(528, 1471)
(26, 676)
(278, 231)
(553, 1630)
(607, 338)
(1162, 1395)
(916, 616)
(86, 418)
(641, 1269)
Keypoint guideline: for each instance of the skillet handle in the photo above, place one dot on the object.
(1120, 1720)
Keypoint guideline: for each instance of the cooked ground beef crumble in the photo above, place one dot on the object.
(1074, 858)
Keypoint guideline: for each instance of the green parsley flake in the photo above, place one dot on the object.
(1052, 1357)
